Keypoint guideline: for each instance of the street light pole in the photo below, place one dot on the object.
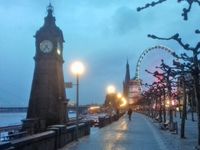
(77, 104)
(77, 69)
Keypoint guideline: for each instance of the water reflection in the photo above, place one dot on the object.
(111, 139)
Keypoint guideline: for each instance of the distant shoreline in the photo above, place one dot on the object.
(13, 109)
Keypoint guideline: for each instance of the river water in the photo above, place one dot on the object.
(7, 119)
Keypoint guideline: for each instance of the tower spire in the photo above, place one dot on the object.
(127, 76)
(49, 19)
(50, 9)
(126, 81)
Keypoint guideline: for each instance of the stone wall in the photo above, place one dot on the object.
(55, 137)
(106, 120)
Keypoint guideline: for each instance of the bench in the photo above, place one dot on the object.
(174, 128)
(164, 125)
(158, 119)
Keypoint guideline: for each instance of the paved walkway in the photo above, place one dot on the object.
(138, 134)
(173, 141)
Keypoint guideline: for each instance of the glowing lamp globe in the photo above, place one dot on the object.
(110, 89)
(77, 68)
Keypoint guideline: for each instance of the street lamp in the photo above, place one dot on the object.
(77, 68)
(124, 102)
(119, 95)
(110, 89)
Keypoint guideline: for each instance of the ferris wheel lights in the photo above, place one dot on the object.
(146, 51)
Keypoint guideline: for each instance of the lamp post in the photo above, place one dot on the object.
(111, 98)
(111, 89)
(77, 69)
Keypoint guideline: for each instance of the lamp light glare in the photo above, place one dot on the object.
(110, 89)
(77, 68)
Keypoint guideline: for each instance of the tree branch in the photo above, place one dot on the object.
(197, 31)
(152, 4)
(185, 57)
(185, 10)
(176, 38)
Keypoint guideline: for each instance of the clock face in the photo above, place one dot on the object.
(46, 46)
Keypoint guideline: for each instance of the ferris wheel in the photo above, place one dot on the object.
(135, 85)
(145, 52)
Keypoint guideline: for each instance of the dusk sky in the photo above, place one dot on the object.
(102, 34)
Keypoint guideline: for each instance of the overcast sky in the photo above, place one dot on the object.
(103, 34)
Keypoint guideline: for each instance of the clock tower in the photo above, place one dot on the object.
(47, 103)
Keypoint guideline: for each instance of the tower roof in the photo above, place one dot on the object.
(127, 75)
(49, 29)
(50, 19)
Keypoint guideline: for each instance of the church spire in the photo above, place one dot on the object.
(126, 81)
(127, 76)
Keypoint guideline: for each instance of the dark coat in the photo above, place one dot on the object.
(130, 111)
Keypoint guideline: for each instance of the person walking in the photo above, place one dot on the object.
(129, 113)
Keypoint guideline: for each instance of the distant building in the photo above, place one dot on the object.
(131, 87)
(134, 94)
(126, 81)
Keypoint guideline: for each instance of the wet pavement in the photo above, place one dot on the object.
(137, 134)
(173, 141)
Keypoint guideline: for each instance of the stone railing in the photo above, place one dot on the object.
(105, 120)
(55, 137)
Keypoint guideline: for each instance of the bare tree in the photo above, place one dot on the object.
(195, 68)
(185, 10)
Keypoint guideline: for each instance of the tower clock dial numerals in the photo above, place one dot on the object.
(46, 46)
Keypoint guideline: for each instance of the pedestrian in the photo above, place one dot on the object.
(117, 113)
(129, 113)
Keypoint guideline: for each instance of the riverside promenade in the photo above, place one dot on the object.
(137, 134)
(141, 133)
